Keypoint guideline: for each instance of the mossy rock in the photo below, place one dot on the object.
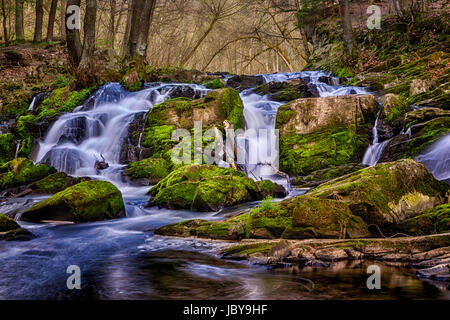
(7, 224)
(319, 177)
(19, 172)
(7, 147)
(296, 218)
(214, 84)
(425, 134)
(271, 189)
(55, 183)
(302, 154)
(423, 115)
(85, 202)
(285, 91)
(204, 188)
(11, 231)
(432, 221)
(388, 193)
(151, 170)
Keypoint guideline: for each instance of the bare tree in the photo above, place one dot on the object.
(39, 21)
(89, 36)
(51, 20)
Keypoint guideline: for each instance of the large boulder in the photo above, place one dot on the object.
(285, 91)
(431, 221)
(85, 202)
(10, 230)
(304, 116)
(22, 171)
(388, 193)
(206, 188)
(243, 82)
(295, 218)
(55, 183)
(149, 171)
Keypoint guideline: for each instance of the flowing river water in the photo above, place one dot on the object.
(123, 259)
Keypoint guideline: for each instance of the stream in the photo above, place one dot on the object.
(123, 259)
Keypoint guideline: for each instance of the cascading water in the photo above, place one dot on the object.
(123, 259)
(437, 159)
(76, 140)
(375, 150)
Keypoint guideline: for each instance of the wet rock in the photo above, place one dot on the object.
(285, 91)
(388, 193)
(205, 188)
(148, 172)
(419, 86)
(440, 272)
(85, 202)
(395, 149)
(243, 82)
(312, 114)
(322, 176)
(424, 114)
(385, 131)
(55, 183)
(11, 231)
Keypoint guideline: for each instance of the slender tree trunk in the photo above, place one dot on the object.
(62, 27)
(5, 29)
(137, 9)
(349, 41)
(20, 34)
(51, 20)
(39, 21)
(73, 37)
(89, 35)
(126, 36)
(145, 23)
(112, 23)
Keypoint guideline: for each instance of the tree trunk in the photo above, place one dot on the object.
(89, 36)
(51, 20)
(73, 37)
(20, 35)
(145, 23)
(349, 40)
(62, 27)
(39, 21)
(136, 13)
(126, 36)
(5, 29)
(112, 23)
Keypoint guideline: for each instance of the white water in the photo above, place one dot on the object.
(375, 150)
(76, 140)
(437, 159)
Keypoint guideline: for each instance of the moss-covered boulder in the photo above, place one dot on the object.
(85, 202)
(388, 193)
(55, 183)
(271, 189)
(432, 221)
(424, 115)
(302, 154)
(7, 147)
(149, 171)
(319, 177)
(214, 84)
(295, 218)
(22, 171)
(321, 133)
(206, 188)
(10, 230)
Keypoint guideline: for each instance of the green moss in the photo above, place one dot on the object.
(249, 249)
(153, 169)
(397, 111)
(303, 154)
(432, 221)
(56, 182)
(373, 192)
(84, 202)
(7, 147)
(214, 84)
(7, 224)
(21, 171)
(231, 107)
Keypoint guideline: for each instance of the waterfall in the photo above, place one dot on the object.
(375, 150)
(18, 144)
(437, 159)
(98, 127)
